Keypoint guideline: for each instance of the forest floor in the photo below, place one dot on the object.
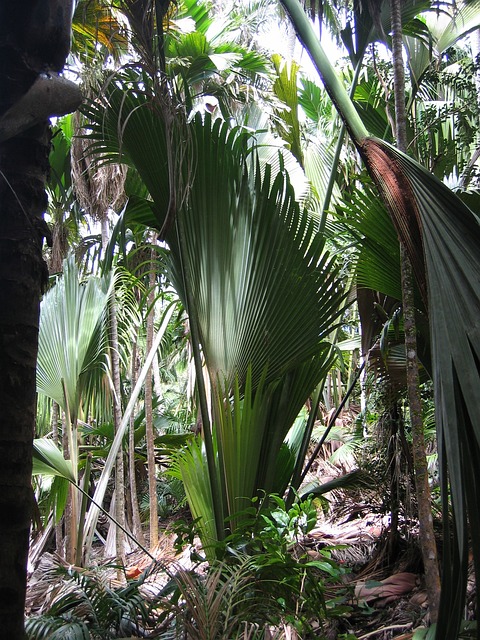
(383, 580)
(388, 598)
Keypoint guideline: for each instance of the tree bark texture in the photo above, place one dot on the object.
(34, 37)
(427, 537)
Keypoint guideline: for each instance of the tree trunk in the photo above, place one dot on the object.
(427, 537)
(34, 37)
(117, 419)
(136, 522)
(152, 474)
(56, 437)
(23, 165)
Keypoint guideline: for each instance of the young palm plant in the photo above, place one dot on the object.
(261, 292)
(72, 357)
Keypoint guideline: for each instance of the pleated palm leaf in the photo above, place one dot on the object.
(442, 237)
(259, 288)
(72, 338)
(72, 353)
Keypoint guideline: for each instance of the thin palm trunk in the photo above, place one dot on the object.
(136, 522)
(150, 436)
(56, 437)
(427, 535)
(117, 419)
(72, 513)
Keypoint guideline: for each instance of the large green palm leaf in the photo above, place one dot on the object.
(72, 338)
(248, 252)
(451, 240)
(258, 271)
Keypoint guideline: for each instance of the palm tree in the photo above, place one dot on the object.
(427, 535)
(72, 354)
(230, 290)
(35, 39)
(441, 235)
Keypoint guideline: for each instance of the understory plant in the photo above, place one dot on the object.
(262, 584)
(263, 576)
(87, 607)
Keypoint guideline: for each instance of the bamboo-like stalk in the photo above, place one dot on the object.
(83, 509)
(136, 522)
(117, 419)
(93, 512)
(149, 428)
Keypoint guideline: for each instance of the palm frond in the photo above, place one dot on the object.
(72, 339)
(251, 255)
(193, 469)
(285, 88)
(375, 239)
(451, 236)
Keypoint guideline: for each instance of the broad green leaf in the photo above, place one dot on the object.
(251, 254)
(450, 234)
(49, 460)
(285, 88)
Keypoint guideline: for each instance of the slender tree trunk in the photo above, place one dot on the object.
(56, 437)
(117, 419)
(136, 522)
(70, 444)
(427, 537)
(152, 474)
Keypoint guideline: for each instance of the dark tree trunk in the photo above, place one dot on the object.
(34, 38)
(427, 534)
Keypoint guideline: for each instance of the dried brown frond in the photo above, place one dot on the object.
(98, 188)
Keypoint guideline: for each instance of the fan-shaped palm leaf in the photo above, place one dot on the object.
(72, 340)
(250, 254)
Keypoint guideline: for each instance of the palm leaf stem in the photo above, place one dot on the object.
(331, 422)
(332, 83)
